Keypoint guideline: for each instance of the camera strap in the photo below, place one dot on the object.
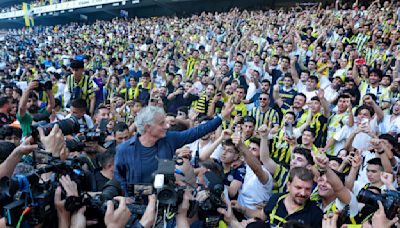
(197, 155)
(73, 203)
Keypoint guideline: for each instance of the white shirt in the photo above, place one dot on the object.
(195, 145)
(301, 86)
(253, 192)
(330, 94)
(387, 125)
(310, 94)
(353, 205)
(86, 122)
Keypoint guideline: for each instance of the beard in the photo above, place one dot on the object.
(33, 109)
(299, 200)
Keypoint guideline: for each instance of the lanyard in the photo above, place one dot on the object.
(378, 92)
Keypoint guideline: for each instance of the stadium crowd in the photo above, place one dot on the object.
(273, 118)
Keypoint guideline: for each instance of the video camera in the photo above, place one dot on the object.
(78, 142)
(96, 206)
(27, 193)
(208, 208)
(390, 201)
(168, 193)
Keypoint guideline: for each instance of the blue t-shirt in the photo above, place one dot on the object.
(149, 164)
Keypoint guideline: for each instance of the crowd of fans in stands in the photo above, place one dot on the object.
(296, 110)
(33, 4)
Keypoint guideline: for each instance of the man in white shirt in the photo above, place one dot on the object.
(311, 88)
(256, 188)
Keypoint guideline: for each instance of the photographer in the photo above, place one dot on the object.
(106, 173)
(136, 158)
(29, 107)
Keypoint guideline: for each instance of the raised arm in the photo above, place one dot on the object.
(250, 159)
(179, 139)
(7, 167)
(356, 75)
(378, 111)
(293, 70)
(276, 96)
(265, 158)
(324, 103)
(355, 166)
(24, 98)
(208, 151)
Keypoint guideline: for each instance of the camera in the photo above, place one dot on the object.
(208, 208)
(68, 126)
(78, 142)
(96, 206)
(29, 195)
(44, 85)
(390, 201)
(168, 193)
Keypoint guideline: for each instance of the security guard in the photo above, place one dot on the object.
(80, 86)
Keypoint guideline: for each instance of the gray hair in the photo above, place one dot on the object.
(147, 116)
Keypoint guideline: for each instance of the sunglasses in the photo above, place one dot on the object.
(262, 99)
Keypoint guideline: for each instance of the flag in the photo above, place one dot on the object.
(124, 13)
(28, 14)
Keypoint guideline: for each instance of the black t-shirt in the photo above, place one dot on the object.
(180, 101)
(310, 215)
(100, 180)
(4, 119)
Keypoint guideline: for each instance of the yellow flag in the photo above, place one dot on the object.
(28, 14)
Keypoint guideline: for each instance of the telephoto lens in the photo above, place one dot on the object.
(68, 126)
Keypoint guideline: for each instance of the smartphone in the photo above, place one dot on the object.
(364, 121)
(239, 113)
(103, 124)
(360, 61)
(289, 130)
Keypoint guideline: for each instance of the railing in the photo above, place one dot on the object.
(64, 6)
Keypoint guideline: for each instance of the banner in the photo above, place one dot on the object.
(62, 6)
(28, 14)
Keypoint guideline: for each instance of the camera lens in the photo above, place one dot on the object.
(167, 196)
(368, 197)
(47, 85)
(68, 126)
